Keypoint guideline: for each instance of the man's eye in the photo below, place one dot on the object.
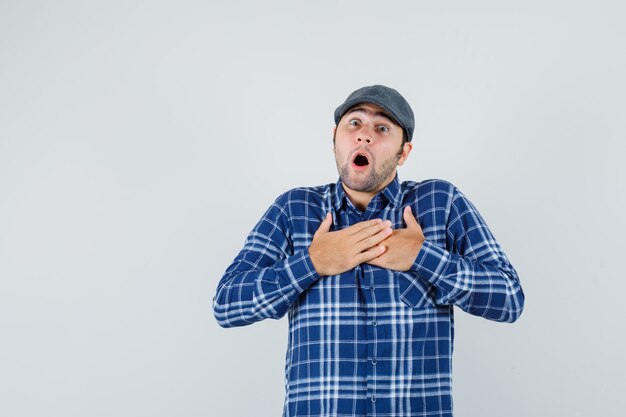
(383, 128)
(353, 122)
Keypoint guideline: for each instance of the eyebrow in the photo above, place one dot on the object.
(376, 113)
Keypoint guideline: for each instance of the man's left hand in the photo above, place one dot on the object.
(402, 246)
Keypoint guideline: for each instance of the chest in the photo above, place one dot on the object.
(432, 221)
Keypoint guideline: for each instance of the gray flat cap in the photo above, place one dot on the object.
(387, 98)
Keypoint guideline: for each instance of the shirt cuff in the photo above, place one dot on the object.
(431, 262)
(300, 271)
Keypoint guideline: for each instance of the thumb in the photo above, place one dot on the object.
(409, 219)
(325, 225)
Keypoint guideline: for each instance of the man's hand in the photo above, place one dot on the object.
(402, 246)
(337, 252)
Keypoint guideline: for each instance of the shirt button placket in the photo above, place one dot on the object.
(372, 348)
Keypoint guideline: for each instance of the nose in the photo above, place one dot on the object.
(364, 137)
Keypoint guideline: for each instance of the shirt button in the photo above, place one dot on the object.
(373, 398)
(374, 361)
(374, 323)
(372, 288)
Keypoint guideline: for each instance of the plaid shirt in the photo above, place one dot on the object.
(370, 341)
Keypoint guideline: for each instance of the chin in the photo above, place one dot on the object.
(361, 186)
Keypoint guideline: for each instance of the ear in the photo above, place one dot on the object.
(406, 150)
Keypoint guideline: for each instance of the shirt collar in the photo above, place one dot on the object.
(391, 193)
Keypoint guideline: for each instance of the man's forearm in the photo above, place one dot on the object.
(247, 294)
(479, 287)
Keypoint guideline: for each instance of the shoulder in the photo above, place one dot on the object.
(438, 191)
(432, 185)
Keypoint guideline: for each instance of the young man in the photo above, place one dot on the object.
(368, 270)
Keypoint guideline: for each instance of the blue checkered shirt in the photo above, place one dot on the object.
(370, 341)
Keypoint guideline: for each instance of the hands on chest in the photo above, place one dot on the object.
(371, 241)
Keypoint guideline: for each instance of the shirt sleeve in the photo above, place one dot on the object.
(472, 272)
(266, 277)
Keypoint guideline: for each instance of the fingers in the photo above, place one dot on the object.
(325, 225)
(373, 240)
(367, 229)
(360, 236)
(370, 254)
(362, 226)
(409, 219)
(368, 234)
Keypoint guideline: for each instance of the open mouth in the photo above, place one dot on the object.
(361, 160)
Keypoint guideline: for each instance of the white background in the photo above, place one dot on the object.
(140, 141)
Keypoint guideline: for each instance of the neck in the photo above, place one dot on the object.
(361, 199)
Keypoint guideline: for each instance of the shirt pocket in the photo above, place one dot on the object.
(414, 292)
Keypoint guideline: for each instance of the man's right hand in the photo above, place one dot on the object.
(333, 253)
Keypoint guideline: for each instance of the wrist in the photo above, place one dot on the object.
(313, 256)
